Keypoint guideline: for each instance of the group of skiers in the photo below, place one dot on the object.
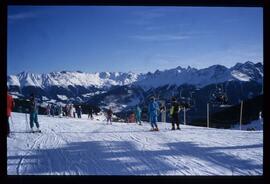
(153, 111)
(33, 112)
(54, 110)
(69, 111)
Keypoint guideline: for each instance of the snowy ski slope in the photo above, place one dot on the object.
(70, 146)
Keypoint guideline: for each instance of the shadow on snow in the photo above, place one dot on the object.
(123, 158)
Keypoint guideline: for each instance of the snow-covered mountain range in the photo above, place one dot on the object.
(68, 78)
(201, 77)
(122, 91)
(247, 71)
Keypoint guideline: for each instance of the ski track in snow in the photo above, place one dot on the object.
(70, 146)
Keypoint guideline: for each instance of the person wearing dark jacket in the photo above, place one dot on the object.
(79, 112)
(33, 112)
(174, 114)
(90, 113)
(10, 106)
(109, 115)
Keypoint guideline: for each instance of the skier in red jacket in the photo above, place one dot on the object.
(10, 106)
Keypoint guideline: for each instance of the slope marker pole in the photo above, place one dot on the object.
(241, 113)
(184, 115)
(208, 115)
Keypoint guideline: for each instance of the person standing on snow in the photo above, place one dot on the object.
(33, 112)
(138, 115)
(69, 109)
(90, 113)
(10, 106)
(153, 113)
(79, 112)
(52, 110)
(109, 115)
(261, 117)
(73, 111)
(48, 109)
(163, 113)
(60, 110)
(174, 114)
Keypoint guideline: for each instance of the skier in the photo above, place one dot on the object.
(174, 114)
(109, 115)
(66, 110)
(52, 110)
(69, 110)
(163, 113)
(131, 118)
(90, 113)
(33, 113)
(261, 117)
(10, 106)
(152, 109)
(138, 115)
(79, 112)
(48, 109)
(59, 110)
(73, 111)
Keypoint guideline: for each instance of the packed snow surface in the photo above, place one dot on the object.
(69, 146)
(257, 125)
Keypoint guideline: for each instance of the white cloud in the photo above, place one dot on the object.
(160, 37)
(21, 16)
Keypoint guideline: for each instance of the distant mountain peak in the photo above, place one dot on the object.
(249, 63)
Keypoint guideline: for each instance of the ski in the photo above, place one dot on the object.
(154, 130)
(35, 131)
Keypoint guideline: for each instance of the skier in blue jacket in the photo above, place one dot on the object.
(153, 113)
(33, 113)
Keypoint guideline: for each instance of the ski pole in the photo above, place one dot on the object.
(12, 123)
(26, 122)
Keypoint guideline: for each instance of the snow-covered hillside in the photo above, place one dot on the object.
(90, 147)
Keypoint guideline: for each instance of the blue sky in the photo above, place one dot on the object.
(44, 39)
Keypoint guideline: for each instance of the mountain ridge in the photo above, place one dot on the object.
(200, 77)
